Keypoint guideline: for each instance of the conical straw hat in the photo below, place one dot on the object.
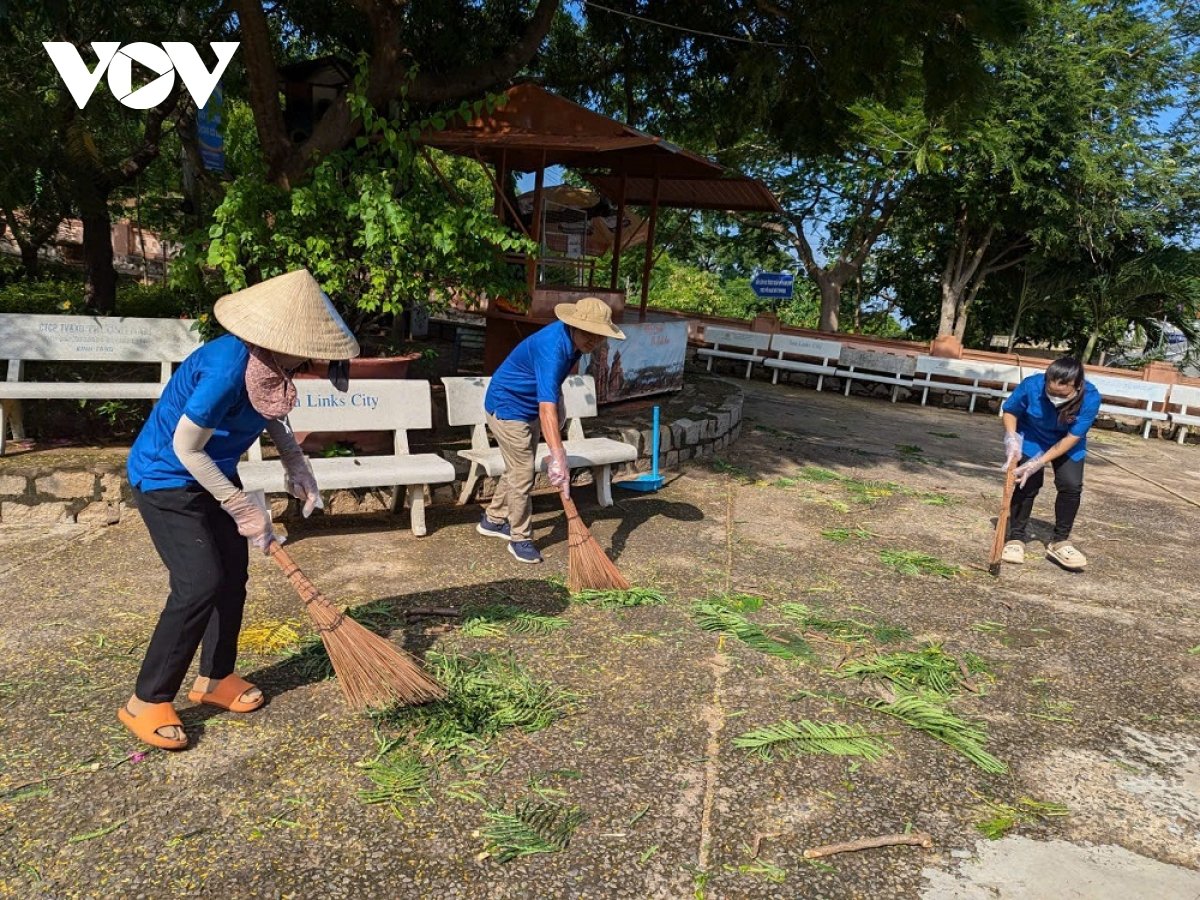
(288, 314)
(590, 314)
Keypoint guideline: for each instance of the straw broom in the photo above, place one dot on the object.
(1002, 521)
(372, 671)
(588, 566)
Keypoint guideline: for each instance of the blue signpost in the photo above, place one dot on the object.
(773, 285)
(208, 129)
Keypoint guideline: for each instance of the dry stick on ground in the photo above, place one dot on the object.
(372, 671)
(915, 839)
(447, 611)
(759, 837)
(1137, 474)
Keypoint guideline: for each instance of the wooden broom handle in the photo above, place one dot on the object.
(998, 539)
(306, 589)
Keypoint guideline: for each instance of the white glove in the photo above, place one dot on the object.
(1012, 448)
(1024, 472)
(252, 520)
(299, 480)
(559, 470)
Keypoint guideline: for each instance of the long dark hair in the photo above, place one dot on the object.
(1067, 370)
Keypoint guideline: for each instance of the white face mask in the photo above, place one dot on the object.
(1060, 401)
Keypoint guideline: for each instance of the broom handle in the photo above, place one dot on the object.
(1002, 519)
(306, 589)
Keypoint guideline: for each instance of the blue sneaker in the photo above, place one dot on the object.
(493, 529)
(524, 551)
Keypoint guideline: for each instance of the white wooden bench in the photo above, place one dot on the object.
(871, 365)
(30, 338)
(965, 376)
(816, 357)
(1187, 398)
(1145, 394)
(397, 405)
(464, 406)
(729, 343)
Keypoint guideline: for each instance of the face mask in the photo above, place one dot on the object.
(1060, 401)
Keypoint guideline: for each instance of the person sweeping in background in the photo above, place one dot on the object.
(1046, 421)
(522, 407)
(183, 471)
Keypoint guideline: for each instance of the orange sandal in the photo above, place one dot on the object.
(228, 695)
(145, 725)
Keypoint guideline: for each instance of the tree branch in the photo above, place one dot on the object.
(472, 79)
(262, 78)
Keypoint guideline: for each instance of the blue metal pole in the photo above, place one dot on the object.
(654, 444)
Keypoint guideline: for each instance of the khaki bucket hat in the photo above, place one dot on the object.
(590, 314)
(288, 314)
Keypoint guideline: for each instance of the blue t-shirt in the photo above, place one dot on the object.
(1037, 417)
(532, 374)
(210, 389)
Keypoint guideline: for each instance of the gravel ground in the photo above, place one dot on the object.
(1092, 703)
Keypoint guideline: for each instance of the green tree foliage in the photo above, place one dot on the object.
(381, 225)
(1071, 166)
(85, 161)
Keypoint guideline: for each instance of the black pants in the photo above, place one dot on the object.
(207, 560)
(1068, 482)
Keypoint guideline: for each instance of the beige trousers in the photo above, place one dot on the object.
(518, 441)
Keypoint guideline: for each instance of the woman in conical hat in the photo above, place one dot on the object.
(183, 471)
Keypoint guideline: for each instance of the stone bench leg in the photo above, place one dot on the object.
(474, 476)
(602, 475)
(1180, 434)
(416, 500)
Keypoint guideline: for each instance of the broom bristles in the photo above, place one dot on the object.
(372, 671)
(588, 566)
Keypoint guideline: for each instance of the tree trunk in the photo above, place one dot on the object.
(29, 259)
(951, 297)
(1090, 347)
(100, 291)
(831, 303)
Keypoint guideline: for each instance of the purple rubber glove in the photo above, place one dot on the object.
(252, 520)
(1012, 448)
(1024, 472)
(558, 470)
(299, 480)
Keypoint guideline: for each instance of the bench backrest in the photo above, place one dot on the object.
(794, 345)
(969, 369)
(738, 340)
(369, 404)
(1113, 388)
(1185, 396)
(31, 338)
(464, 404)
(874, 361)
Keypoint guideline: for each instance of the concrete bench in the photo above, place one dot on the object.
(965, 376)
(801, 354)
(368, 405)
(871, 365)
(729, 343)
(30, 338)
(1116, 393)
(464, 406)
(1187, 398)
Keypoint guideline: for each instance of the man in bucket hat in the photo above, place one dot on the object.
(183, 471)
(522, 407)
